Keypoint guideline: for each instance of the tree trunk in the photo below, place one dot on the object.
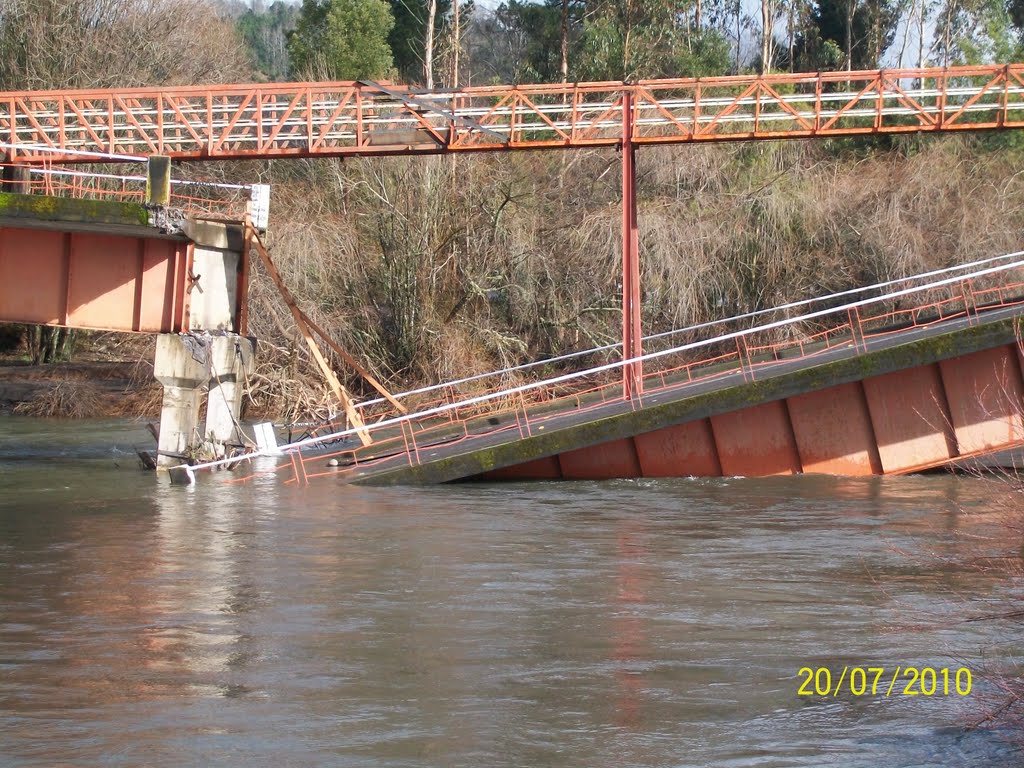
(457, 38)
(920, 35)
(767, 36)
(739, 13)
(564, 64)
(851, 6)
(792, 35)
(428, 45)
(48, 344)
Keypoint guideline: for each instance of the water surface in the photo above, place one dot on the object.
(632, 623)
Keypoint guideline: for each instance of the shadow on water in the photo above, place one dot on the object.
(631, 623)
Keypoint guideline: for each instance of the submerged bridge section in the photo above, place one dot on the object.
(894, 378)
(928, 375)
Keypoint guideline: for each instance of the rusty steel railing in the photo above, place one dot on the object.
(362, 118)
(961, 292)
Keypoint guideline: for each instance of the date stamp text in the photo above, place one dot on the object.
(875, 681)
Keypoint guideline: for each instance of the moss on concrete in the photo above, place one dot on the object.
(654, 416)
(46, 208)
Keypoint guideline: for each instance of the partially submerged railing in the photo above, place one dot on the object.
(960, 292)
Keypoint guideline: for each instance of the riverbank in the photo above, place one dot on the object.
(111, 376)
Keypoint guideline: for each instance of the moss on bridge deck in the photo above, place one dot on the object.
(463, 461)
(66, 209)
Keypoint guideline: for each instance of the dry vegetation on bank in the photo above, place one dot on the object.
(434, 268)
(429, 269)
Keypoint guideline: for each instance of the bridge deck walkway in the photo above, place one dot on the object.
(445, 452)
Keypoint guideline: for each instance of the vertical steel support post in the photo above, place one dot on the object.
(632, 373)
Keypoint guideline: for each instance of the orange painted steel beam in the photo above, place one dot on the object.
(632, 331)
(94, 281)
(358, 118)
(905, 421)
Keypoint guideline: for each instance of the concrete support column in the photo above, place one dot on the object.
(231, 361)
(184, 371)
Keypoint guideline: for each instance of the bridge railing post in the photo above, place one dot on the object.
(299, 468)
(526, 416)
(740, 349)
(632, 373)
(967, 292)
(856, 329)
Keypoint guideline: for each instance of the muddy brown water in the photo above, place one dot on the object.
(640, 623)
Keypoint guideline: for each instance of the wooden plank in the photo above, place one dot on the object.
(352, 361)
(351, 413)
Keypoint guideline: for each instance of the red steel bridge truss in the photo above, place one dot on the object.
(300, 120)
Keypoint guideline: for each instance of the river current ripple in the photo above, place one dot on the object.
(631, 623)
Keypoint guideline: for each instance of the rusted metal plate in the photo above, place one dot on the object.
(681, 450)
(616, 458)
(756, 441)
(910, 418)
(833, 431)
(539, 469)
(94, 281)
(984, 391)
(33, 276)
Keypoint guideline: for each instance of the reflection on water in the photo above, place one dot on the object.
(640, 623)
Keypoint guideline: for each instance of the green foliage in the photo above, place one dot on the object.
(706, 54)
(538, 29)
(640, 39)
(265, 34)
(985, 32)
(409, 33)
(342, 39)
(864, 29)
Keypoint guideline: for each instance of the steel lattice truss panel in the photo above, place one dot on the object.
(362, 118)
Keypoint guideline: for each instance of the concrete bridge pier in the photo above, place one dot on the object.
(214, 359)
(190, 367)
(183, 369)
(231, 361)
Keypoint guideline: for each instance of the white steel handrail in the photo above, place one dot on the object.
(690, 329)
(398, 420)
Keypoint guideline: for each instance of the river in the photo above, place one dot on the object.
(630, 623)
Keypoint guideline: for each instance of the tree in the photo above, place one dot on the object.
(265, 33)
(862, 29)
(635, 39)
(769, 12)
(409, 34)
(342, 39)
(533, 32)
(976, 31)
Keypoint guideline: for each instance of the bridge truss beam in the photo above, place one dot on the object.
(363, 118)
(301, 120)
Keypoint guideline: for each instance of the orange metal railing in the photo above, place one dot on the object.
(450, 417)
(344, 118)
(207, 199)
